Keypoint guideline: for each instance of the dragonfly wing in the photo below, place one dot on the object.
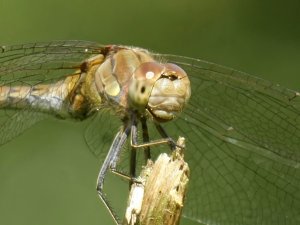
(36, 63)
(13, 123)
(243, 138)
(43, 62)
(100, 132)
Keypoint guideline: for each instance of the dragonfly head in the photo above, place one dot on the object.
(160, 89)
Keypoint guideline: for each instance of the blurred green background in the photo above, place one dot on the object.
(48, 175)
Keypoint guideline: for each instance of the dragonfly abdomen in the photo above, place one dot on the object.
(49, 98)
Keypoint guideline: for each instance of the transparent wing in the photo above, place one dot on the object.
(36, 63)
(243, 145)
(100, 132)
(13, 123)
(43, 62)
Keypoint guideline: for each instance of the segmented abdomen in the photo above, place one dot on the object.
(54, 97)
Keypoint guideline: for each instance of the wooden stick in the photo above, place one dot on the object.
(158, 197)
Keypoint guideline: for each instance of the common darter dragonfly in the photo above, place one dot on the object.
(242, 132)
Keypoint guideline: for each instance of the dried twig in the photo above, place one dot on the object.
(159, 197)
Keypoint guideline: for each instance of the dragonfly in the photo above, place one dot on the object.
(242, 132)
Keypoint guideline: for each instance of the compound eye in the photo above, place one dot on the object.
(149, 71)
(174, 72)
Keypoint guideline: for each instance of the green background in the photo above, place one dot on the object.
(48, 175)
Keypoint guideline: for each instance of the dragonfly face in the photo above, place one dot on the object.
(242, 132)
(164, 89)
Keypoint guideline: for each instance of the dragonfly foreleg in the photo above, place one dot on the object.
(164, 140)
(146, 143)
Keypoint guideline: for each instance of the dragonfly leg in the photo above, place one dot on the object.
(164, 140)
(112, 157)
(130, 178)
(146, 138)
(146, 143)
(164, 134)
(110, 163)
